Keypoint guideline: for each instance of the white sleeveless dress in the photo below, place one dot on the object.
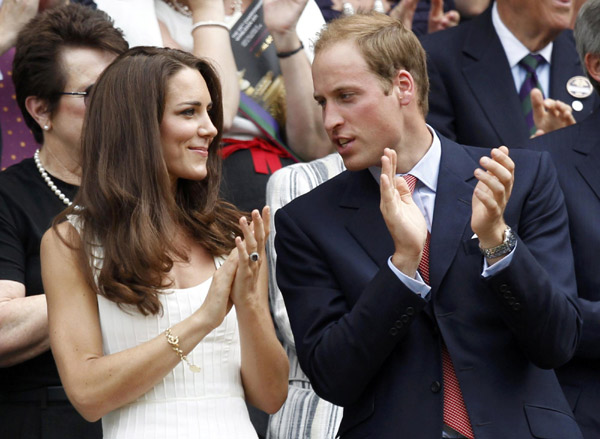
(183, 405)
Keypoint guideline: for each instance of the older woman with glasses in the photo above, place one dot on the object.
(59, 55)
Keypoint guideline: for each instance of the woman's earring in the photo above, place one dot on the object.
(46, 127)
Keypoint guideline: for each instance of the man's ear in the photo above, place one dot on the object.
(38, 109)
(592, 65)
(404, 83)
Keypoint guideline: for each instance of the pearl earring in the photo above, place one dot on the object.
(46, 127)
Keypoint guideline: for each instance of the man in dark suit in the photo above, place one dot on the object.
(576, 154)
(476, 76)
(396, 314)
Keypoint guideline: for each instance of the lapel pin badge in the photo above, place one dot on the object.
(577, 105)
(579, 87)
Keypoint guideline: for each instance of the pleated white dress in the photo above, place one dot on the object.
(208, 404)
(183, 405)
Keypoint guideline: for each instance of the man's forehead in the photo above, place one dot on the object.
(341, 46)
(343, 58)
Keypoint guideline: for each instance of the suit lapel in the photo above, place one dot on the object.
(588, 144)
(364, 220)
(452, 213)
(486, 71)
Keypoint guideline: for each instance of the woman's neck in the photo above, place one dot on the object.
(61, 163)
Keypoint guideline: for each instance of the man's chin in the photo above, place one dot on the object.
(352, 164)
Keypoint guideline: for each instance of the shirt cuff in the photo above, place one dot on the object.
(416, 285)
(500, 265)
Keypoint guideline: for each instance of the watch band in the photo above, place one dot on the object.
(508, 245)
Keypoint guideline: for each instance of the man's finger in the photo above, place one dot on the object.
(437, 8)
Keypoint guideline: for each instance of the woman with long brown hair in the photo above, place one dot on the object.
(151, 327)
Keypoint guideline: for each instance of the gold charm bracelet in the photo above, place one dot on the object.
(173, 340)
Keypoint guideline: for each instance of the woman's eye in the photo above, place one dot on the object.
(188, 112)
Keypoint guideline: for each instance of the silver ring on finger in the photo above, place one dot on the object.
(254, 257)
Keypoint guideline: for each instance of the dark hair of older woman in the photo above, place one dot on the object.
(59, 55)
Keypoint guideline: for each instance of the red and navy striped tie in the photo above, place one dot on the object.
(455, 412)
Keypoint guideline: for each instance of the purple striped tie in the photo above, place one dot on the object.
(530, 63)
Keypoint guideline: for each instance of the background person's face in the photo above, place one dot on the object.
(543, 14)
(81, 67)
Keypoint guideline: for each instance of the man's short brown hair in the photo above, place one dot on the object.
(387, 47)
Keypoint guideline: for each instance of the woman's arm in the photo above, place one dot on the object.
(95, 383)
(265, 366)
(14, 15)
(213, 42)
(23, 324)
(304, 125)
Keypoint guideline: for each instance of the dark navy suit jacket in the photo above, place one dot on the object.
(371, 345)
(576, 154)
(473, 99)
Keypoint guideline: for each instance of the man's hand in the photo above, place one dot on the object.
(549, 114)
(491, 196)
(405, 12)
(402, 217)
(440, 20)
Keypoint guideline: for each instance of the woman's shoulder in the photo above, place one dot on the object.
(64, 235)
(18, 177)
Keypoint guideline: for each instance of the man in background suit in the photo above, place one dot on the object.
(476, 77)
(576, 154)
(414, 336)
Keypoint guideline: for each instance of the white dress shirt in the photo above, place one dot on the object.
(516, 51)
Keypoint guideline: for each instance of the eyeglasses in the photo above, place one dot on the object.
(84, 94)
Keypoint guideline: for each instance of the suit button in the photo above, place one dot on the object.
(410, 311)
(404, 318)
(436, 387)
(516, 306)
(398, 324)
(394, 332)
(503, 288)
(511, 301)
(507, 295)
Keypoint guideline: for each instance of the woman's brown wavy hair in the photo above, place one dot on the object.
(128, 205)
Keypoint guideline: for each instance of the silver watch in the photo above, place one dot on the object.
(508, 245)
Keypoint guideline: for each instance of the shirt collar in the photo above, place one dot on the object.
(427, 169)
(514, 49)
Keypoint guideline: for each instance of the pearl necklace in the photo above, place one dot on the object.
(48, 180)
